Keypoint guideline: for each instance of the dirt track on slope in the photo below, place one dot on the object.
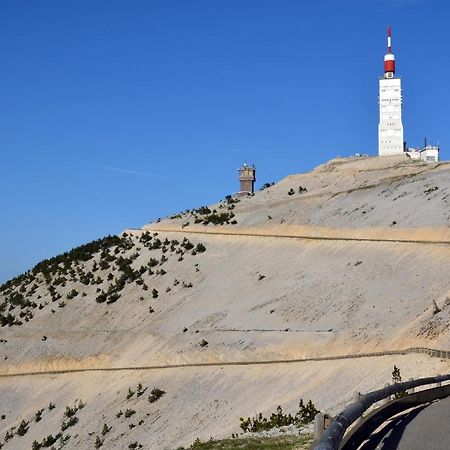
(431, 352)
(418, 236)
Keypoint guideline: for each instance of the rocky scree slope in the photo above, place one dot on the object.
(162, 295)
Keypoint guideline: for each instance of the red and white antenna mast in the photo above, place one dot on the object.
(390, 127)
(389, 58)
(389, 40)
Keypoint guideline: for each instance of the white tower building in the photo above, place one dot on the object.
(390, 128)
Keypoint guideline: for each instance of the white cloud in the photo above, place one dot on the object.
(133, 172)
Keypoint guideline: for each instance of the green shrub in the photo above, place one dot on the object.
(9, 435)
(9, 320)
(155, 395)
(69, 423)
(101, 298)
(129, 412)
(38, 415)
(50, 440)
(305, 415)
(140, 390)
(218, 218)
(70, 412)
(203, 210)
(112, 298)
(397, 378)
(103, 264)
(266, 185)
(22, 428)
(200, 248)
(153, 262)
(130, 394)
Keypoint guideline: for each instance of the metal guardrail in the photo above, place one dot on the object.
(332, 438)
(365, 426)
(444, 354)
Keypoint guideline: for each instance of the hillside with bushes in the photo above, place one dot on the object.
(126, 339)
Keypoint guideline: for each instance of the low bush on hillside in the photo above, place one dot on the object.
(397, 378)
(266, 186)
(200, 248)
(38, 415)
(9, 320)
(105, 429)
(218, 218)
(139, 391)
(155, 395)
(305, 414)
(46, 442)
(111, 259)
(203, 210)
(302, 442)
(69, 423)
(23, 428)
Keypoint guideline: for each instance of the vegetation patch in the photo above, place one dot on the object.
(302, 442)
(155, 395)
(305, 414)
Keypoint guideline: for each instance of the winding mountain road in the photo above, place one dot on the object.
(423, 428)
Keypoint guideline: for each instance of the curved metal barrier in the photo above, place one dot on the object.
(332, 438)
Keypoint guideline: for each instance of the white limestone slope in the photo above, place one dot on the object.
(380, 197)
(253, 295)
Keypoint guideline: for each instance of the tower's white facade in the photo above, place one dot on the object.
(390, 127)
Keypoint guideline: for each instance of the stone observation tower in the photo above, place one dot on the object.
(390, 128)
(247, 177)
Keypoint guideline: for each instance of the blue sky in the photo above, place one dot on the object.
(114, 112)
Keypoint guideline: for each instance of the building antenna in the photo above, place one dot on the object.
(389, 58)
(389, 39)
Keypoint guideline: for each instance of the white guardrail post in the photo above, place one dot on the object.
(319, 426)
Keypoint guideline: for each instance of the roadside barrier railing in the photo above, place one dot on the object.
(333, 435)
